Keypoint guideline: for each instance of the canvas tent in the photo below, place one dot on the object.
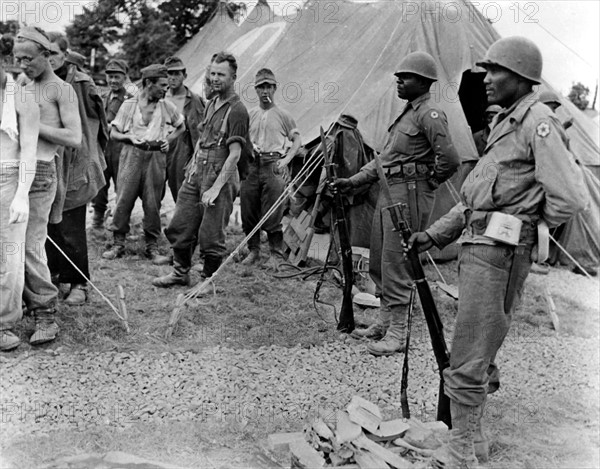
(339, 57)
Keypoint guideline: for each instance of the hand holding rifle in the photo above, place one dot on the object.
(421, 240)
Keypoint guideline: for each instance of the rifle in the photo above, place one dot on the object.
(346, 319)
(432, 317)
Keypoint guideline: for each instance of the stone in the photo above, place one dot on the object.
(304, 456)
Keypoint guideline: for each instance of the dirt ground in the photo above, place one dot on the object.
(545, 415)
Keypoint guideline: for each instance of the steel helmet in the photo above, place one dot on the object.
(419, 63)
(517, 54)
(548, 97)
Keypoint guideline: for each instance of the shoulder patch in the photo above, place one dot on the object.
(543, 129)
(434, 114)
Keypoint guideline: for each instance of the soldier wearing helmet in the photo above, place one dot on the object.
(481, 136)
(526, 175)
(417, 157)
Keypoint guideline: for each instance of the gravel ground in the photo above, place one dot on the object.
(272, 387)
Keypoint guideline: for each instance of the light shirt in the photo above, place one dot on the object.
(271, 130)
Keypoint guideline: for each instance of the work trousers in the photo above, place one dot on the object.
(482, 321)
(39, 292)
(12, 246)
(141, 174)
(178, 156)
(194, 223)
(112, 155)
(388, 267)
(71, 238)
(263, 185)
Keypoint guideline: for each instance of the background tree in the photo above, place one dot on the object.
(9, 27)
(96, 27)
(578, 95)
(149, 38)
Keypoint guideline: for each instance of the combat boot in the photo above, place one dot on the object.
(181, 271)
(46, 328)
(377, 330)
(253, 257)
(151, 252)
(159, 259)
(276, 255)
(459, 453)
(394, 340)
(98, 220)
(118, 248)
(211, 265)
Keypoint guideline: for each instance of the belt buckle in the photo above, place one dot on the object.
(409, 169)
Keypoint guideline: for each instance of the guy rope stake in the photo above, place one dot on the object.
(123, 308)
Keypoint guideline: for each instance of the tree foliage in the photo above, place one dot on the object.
(9, 27)
(149, 38)
(579, 94)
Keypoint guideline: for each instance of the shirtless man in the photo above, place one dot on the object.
(19, 128)
(59, 125)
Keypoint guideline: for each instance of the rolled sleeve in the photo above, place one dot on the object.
(122, 120)
(237, 124)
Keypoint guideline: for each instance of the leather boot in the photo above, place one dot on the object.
(480, 442)
(182, 259)
(395, 337)
(211, 265)
(8, 340)
(46, 328)
(459, 453)
(118, 248)
(377, 330)
(77, 295)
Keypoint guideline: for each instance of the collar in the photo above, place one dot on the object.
(517, 111)
(416, 103)
(230, 99)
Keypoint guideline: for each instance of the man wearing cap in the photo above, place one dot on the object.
(276, 140)
(59, 126)
(481, 136)
(80, 177)
(417, 157)
(192, 107)
(116, 76)
(526, 174)
(142, 124)
(205, 200)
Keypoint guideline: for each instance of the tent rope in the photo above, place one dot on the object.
(113, 307)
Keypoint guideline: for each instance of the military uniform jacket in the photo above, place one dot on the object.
(526, 170)
(82, 169)
(419, 135)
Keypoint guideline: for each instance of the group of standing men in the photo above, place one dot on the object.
(162, 135)
(526, 175)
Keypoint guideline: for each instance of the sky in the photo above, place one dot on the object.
(568, 32)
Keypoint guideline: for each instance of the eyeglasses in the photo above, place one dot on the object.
(25, 61)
